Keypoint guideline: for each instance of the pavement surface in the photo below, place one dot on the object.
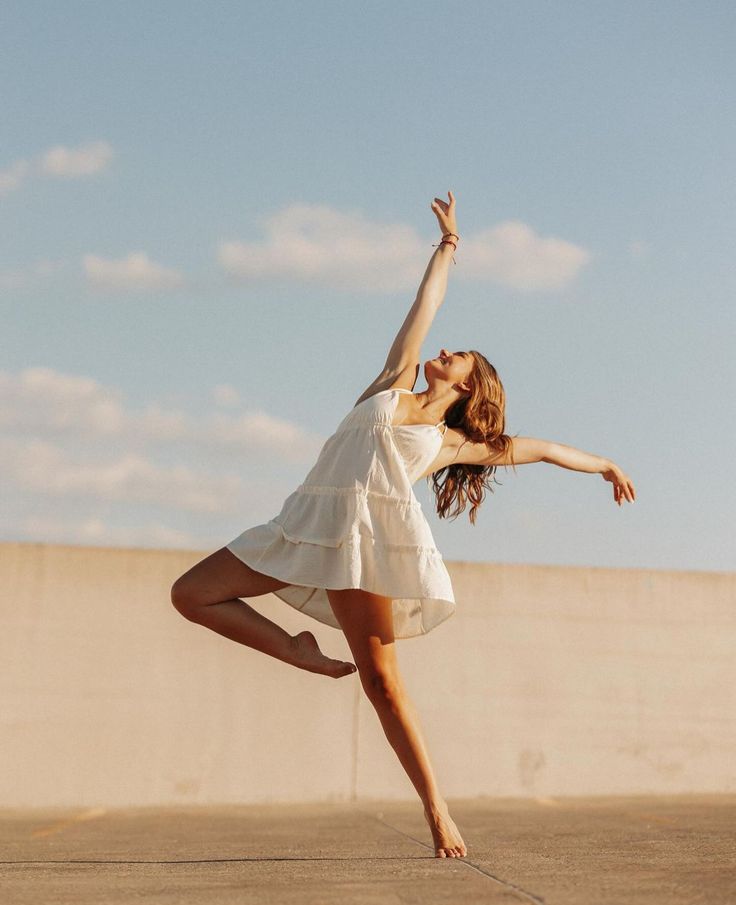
(559, 851)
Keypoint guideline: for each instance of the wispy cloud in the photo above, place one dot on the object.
(134, 272)
(343, 250)
(513, 254)
(74, 446)
(315, 243)
(72, 162)
(47, 468)
(50, 405)
(347, 251)
(59, 162)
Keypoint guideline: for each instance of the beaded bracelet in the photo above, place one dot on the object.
(446, 241)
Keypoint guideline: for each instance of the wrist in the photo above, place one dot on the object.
(449, 242)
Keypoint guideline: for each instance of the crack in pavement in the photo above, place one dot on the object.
(529, 896)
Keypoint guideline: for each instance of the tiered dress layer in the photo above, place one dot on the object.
(355, 522)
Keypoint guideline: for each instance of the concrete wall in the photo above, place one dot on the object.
(547, 681)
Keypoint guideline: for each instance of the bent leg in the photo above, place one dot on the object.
(208, 595)
(367, 621)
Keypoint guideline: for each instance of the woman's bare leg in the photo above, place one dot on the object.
(208, 594)
(367, 621)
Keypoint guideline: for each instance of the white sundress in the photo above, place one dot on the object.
(355, 522)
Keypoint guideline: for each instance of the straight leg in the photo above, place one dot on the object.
(367, 620)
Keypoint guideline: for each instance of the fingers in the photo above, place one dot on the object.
(443, 204)
(623, 490)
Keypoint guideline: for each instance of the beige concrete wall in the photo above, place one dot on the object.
(547, 681)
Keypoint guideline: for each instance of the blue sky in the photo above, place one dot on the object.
(216, 215)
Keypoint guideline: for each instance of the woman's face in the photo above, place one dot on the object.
(453, 367)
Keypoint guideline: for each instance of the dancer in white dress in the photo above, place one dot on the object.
(356, 523)
(351, 546)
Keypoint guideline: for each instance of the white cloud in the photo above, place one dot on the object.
(135, 272)
(58, 161)
(45, 403)
(44, 467)
(315, 243)
(75, 457)
(73, 162)
(513, 254)
(73, 446)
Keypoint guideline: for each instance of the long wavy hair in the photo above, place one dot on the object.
(481, 416)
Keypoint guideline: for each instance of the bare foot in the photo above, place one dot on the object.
(307, 655)
(448, 843)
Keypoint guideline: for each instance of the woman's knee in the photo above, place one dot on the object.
(219, 576)
(381, 683)
(184, 599)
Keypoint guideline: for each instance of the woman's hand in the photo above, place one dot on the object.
(445, 214)
(622, 486)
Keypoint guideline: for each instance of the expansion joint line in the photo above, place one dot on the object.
(529, 896)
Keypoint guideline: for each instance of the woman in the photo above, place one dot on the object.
(351, 546)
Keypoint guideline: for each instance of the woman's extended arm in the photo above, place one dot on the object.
(406, 349)
(574, 459)
(525, 450)
(577, 460)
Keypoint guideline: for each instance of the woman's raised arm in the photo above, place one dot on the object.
(406, 349)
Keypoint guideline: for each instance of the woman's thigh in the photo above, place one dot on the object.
(367, 622)
(221, 576)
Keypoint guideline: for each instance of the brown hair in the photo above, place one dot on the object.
(481, 416)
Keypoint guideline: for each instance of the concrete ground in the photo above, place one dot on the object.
(562, 851)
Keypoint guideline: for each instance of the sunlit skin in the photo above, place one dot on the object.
(447, 379)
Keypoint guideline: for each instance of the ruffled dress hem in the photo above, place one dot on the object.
(411, 576)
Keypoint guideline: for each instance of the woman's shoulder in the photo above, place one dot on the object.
(402, 380)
